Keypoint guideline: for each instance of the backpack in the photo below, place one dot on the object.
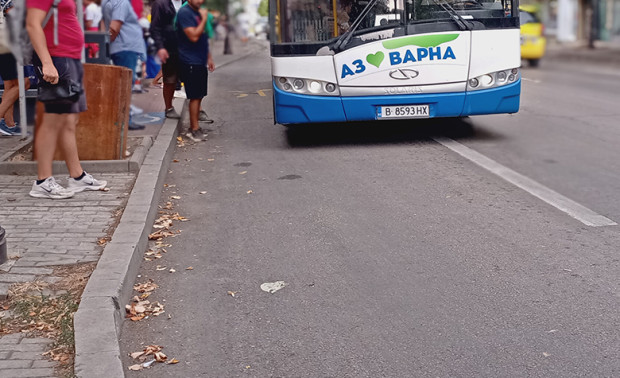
(5, 44)
(18, 36)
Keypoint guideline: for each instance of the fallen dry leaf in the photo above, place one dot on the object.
(250, 192)
(203, 192)
(172, 361)
(175, 197)
(243, 173)
(145, 287)
(232, 293)
(135, 355)
(189, 268)
(136, 367)
(172, 270)
(160, 357)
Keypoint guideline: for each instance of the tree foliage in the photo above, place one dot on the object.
(263, 8)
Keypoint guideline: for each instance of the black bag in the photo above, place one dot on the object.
(66, 91)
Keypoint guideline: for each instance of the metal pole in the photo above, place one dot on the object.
(23, 118)
(80, 15)
(593, 24)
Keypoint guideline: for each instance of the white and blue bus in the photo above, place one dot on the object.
(363, 60)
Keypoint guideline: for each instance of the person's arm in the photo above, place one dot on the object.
(157, 30)
(88, 18)
(193, 33)
(118, 13)
(210, 62)
(115, 29)
(34, 19)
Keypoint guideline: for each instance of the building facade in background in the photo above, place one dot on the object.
(581, 20)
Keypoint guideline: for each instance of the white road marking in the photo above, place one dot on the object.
(553, 198)
(532, 80)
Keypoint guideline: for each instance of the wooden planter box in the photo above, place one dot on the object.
(102, 129)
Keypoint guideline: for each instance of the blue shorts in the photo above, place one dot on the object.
(127, 59)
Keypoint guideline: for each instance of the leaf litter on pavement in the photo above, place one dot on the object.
(140, 307)
(154, 354)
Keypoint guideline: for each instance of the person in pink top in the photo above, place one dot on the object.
(58, 62)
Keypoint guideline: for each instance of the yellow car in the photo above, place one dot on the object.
(533, 41)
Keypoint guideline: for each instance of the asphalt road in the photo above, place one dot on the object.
(401, 258)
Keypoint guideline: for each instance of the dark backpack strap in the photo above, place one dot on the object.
(53, 11)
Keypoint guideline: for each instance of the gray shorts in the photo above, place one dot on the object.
(67, 68)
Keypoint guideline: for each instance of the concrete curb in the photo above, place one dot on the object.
(100, 166)
(101, 312)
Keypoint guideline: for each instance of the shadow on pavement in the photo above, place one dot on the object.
(384, 132)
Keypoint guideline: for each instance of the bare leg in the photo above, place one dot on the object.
(157, 77)
(169, 94)
(10, 95)
(68, 144)
(45, 142)
(194, 112)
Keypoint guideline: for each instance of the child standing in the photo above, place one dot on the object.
(195, 60)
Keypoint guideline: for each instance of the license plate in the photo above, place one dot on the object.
(403, 111)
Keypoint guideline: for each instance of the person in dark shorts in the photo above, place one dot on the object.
(163, 13)
(56, 62)
(8, 73)
(195, 60)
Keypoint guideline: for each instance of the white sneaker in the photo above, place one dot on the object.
(196, 135)
(88, 182)
(50, 189)
(134, 110)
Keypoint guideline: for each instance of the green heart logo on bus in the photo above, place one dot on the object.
(376, 58)
(428, 48)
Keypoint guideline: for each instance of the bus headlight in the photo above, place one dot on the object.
(306, 86)
(298, 84)
(493, 79)
(314, 86)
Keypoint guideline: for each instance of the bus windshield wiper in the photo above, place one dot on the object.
(460, 21)
(344, 39)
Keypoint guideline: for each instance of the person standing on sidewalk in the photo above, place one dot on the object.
(195, 58)
(8, 73)
(163, 13)
(126, 39)
(55, 62)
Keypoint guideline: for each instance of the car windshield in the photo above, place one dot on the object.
(310, 21)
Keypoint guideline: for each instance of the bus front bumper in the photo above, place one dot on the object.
(291, 108)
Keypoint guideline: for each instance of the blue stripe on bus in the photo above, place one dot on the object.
(493, 101)
(295, 108)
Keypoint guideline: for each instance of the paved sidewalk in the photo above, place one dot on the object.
(43, 236)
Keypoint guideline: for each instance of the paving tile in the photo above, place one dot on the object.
(15, 364)
(29, 373)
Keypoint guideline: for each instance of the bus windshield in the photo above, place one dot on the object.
(322, 22)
